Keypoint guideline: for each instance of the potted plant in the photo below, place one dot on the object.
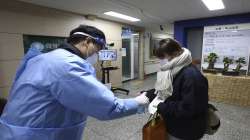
(227, 62)
(212, 58)
(240, 63)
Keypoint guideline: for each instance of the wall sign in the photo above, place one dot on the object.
(43, 43)
(231, 41)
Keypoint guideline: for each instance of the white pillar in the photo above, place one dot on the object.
(141, 55)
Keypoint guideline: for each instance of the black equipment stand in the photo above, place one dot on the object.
(105, 71)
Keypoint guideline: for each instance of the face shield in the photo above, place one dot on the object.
(99, 42)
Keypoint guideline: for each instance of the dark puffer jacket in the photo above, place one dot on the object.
(185, 111)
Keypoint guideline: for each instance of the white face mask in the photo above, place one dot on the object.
(163, 61)
(92, 59)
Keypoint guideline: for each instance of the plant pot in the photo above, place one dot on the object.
(213, 71)
(230, 73)
(210, 66)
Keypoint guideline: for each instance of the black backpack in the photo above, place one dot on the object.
(213, 120)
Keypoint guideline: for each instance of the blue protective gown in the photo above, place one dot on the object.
(52, 95)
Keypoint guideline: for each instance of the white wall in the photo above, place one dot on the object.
(151, 65)
(19, 18)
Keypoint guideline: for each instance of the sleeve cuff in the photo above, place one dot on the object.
(131, 106)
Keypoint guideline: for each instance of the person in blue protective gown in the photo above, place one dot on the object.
(53, 93)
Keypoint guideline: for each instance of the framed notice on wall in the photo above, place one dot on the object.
(232, 41)
(154, 40)
(43, 43)
(154, 43)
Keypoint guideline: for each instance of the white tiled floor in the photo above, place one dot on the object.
(235, 120)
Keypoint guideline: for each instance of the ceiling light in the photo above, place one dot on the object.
(214, 4)
(121, 16)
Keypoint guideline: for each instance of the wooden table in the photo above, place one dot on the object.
(228, 89)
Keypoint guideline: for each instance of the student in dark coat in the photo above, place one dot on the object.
(185, 110)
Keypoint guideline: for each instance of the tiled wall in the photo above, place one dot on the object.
(19, 18)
